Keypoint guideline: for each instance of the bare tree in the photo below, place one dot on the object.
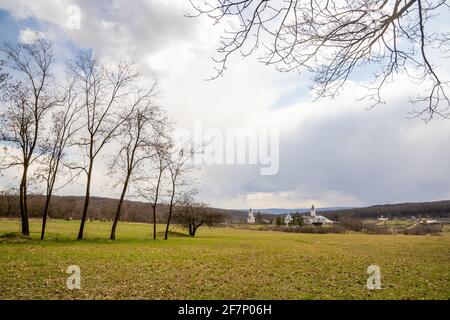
(152, 180)
(104, 90)
(63, 129)
(178, 168)
(192, 215)
(135, 139)
(334, 38)
(162, 162)
(27, 97)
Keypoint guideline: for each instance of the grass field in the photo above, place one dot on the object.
(220, 263)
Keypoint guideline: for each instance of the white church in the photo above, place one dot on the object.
(251, 216)
(316, 220)
(312, 219)
(288, 219)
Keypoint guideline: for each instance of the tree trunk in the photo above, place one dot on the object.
(23, 203)
(194, 228)
(172, 196)
(44, 216)
(154, 221)
(168, 222)
(86, 202)
(119, 208)
(155, 203)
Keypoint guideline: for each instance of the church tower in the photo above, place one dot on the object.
(313, 211)
(251, 217)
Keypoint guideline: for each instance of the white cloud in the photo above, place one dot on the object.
(28, 35)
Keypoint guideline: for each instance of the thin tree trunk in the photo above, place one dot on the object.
(168, 221)
(156, 202)
(86, 202)
(50, 186)
(44, 216)
(170, 210)
(154, 221)
(23, 203)
(119, 208)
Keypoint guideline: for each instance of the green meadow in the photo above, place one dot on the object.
(219, 263)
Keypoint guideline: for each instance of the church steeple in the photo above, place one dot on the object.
(313, 211)
(251, 217)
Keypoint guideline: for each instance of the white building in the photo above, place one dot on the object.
(251, 216)
(315, 219)
(288, 219)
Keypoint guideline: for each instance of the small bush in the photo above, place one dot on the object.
(352, 224)
(373, 228)
(306, 229)
(172, 234)
(422, 230)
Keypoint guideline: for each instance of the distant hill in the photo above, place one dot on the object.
(65, 207)
(434, 209)
(278, 211)
(437, 209)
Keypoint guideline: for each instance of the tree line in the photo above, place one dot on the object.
(56, 129)
(434, 209)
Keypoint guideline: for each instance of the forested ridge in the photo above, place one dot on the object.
(435, 209)
(71, 207)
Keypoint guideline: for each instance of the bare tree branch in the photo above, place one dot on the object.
(333, 39)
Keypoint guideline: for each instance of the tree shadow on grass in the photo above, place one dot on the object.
(175, 234)
(14, 237)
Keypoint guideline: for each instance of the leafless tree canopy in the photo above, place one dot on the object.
(64, 126)
(135, 140)
(179, 188)
(27, 96)
(334, 38)
(137, 133)
(152, 178)
(104, 92)
(192, 215)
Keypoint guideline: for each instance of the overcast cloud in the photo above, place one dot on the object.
(332, 152)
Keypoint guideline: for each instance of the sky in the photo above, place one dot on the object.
(327, 152)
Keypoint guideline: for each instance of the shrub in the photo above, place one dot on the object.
(422, 229)
(305, 229)
(352, 224)
(373, 228)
